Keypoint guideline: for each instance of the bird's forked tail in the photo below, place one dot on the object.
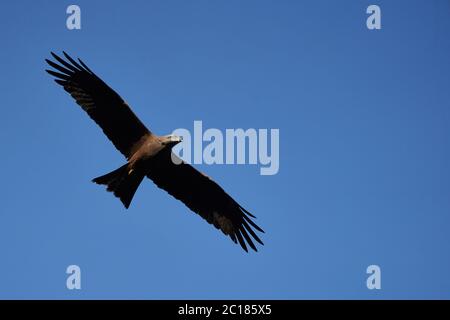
(123, 182)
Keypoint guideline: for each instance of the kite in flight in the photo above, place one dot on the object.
(149, 155)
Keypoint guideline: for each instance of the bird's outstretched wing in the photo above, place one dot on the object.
(205, 197)
(101, 103)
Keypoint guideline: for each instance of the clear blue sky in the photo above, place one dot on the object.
(364, 149)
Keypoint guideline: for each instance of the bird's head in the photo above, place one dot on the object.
(171, 140)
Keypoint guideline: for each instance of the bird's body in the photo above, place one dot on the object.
(124, 181)
(149, 155)
(141, 160)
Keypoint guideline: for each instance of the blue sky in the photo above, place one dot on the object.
(364, 149)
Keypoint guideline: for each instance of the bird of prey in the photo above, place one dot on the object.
(149, 155)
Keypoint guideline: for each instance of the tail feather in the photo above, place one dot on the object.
(122, 183)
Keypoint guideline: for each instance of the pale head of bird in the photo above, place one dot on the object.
(171, 140)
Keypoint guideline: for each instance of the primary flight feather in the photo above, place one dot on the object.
(149, 155)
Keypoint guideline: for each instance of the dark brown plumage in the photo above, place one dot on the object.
(150, 155)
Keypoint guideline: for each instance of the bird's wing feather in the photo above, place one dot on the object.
(205, 197)
(101, 103)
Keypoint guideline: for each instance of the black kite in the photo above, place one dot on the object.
(150, 155)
